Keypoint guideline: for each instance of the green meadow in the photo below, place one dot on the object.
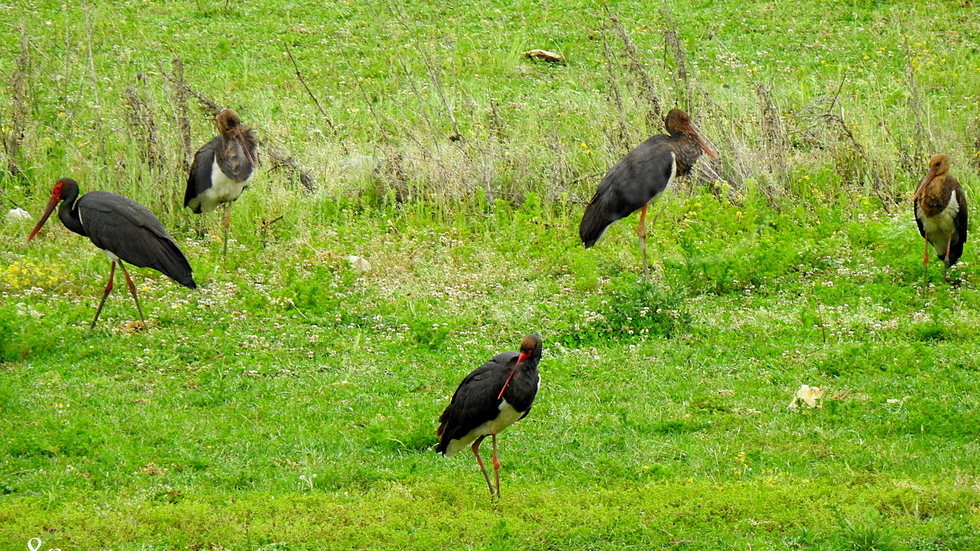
(290, 402)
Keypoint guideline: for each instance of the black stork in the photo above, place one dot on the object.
(642, 176)
(491, 398)
(940, 213)
(123, 229)
(222, 168)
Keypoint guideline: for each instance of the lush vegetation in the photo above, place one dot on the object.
(290, 402)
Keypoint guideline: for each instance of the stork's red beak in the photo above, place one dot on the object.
(52, 203)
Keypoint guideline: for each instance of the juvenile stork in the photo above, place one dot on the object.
(642, 176)
(222, 169)
(940, 213)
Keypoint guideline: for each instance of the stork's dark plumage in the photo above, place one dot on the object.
(642, 176)
(222, 168)
(491, 398)
(940, 212)
(123, 229)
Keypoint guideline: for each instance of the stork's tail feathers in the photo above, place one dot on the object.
(594, 223)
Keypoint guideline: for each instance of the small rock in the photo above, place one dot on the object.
(18, 216)
(359, 263)
(809, 395)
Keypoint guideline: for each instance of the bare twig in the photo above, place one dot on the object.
(433, 75)
(299, 75)
(210, 106)
(266, 224)
(283, 160)
(840, 86)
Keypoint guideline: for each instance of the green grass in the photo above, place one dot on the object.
(290, 402)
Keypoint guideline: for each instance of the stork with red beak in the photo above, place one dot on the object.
(124, 230)
(490, 399)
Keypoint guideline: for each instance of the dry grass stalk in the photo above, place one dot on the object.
(911, 158)
(495, 123)
(647, 89)
(621, 141)
(19, 108)
(141, 121)
(673, 44)
(773, 134)
(179, 97)
(866, 167)
(382, 132)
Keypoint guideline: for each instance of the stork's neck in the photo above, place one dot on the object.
(68, 213)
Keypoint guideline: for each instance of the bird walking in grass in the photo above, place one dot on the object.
(642, 176)
(941, 214)
(222, 169)
(490, 399)
(124, 230)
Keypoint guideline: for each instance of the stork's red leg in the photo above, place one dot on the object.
(476, 452)
(496, 463)
(132, 291)
(641, 233)
(108, 289)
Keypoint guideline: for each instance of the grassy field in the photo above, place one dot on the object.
(290, 403)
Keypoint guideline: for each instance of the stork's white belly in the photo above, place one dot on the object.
(223, 189)
(945, 221)
(508, 416)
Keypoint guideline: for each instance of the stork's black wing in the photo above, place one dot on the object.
(130, 231)
(475, 401)
(960, 224)
(634, 181)
(199, 178)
